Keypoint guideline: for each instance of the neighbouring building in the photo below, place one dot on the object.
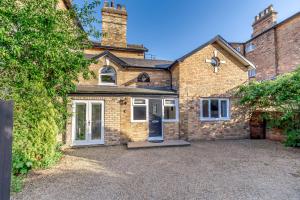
(138, 99)
(274, 47)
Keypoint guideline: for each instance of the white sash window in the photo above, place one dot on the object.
(214, 109)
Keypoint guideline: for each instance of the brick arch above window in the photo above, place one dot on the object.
(143, 78)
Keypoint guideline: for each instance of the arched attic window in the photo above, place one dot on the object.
(143, 78)
(107, 76)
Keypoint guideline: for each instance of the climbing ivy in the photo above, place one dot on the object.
(280, 96)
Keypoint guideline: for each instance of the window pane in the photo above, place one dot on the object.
(107, 79)
(214, 107)
(169, 102)
(144, 78)
(139, 112)
(169, 112)
(107, 70)
(140, 101)
(205, 112)
(80, 124)
(224, 108)
(96, 121)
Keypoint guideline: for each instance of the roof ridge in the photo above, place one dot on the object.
(214, 39)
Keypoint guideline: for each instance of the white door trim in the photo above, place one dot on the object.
(162, 123)
(88, 140)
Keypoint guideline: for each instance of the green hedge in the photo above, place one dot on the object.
(35, 133)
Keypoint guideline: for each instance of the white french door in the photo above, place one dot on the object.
(88, 123)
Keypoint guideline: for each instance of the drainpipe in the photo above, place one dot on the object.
(276, 52)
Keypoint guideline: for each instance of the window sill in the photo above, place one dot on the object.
(107, 84)
(214, 120)
(139, 121)
(169, 121)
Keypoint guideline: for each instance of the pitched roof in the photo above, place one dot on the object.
(133, 62)
(87, 89)
(224, 44)
(129, 47)
(147, 63)
(111, 56)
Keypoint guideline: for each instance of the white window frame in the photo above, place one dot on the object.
(110, 74)
(209, 110)
(252, 73)
(88, 140)
(170, 105)
(139, 105)
(250, 47)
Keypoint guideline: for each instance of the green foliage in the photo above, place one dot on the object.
(281, 99)
(16, 183)
(41, 56)
(293, 138)
(36, 132)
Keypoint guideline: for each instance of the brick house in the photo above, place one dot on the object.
(138, 99)
(274, 47)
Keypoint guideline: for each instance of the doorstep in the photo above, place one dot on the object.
(167, 143)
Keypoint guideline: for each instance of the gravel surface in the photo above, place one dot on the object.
(244, 169)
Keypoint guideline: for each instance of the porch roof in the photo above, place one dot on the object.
(113, 90)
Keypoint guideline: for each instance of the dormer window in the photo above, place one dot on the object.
(143, 78)
(107, 76)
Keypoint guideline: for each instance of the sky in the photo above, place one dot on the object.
(172, 28)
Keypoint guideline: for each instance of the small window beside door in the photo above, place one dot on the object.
(214, 109)
(139, 110)
(170, 107)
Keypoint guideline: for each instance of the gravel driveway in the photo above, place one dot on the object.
(242, 169)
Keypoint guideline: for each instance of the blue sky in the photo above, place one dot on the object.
(171, 28)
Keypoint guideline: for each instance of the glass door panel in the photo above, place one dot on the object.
(96, 122)
(80, 122)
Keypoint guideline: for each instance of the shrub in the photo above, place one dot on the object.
(282, 96)
(41, 56)
(35, 133)
(293, 138)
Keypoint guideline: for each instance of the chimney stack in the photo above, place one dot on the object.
(264, 20)
(114, 25)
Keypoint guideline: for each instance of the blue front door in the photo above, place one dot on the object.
(155, 119)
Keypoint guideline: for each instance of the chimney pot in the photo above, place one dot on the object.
(106, 3)
(123, 8)
(264, 20)
(271, 8)
(112, 4)
(119, 6)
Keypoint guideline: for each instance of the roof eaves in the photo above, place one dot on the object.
(134, 49)
(111, 56)
(236, 52)
(217, 38)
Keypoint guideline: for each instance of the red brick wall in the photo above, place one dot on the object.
(288, 37)
(264, 56)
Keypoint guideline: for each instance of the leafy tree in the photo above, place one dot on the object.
(282, 96)
(41, 56)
